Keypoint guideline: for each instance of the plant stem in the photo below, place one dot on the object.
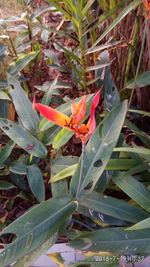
(139, 63)
(81, 169)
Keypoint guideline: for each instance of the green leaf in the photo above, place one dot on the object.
(19, 168)
(142, 112)
(35, 227)
(36, 182)
(99, 149)
(29, 259)
(64, 173)
(48, 95)
(22, 138)
(122, 14)
(144, 224)
(137, 150)
(62, 138)
(4, 96)
(115, 240)
(143, 136)
(113, 164)
(21, 62)
(6, 151)
(23, 106)
(3, 52)
(5, 185)
(111, 206)
(142, 80)
(134, 189)
(41, 10)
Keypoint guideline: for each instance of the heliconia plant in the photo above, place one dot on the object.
(108, 183)
(71, 123)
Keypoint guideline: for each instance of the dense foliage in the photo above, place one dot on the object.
(91, 190)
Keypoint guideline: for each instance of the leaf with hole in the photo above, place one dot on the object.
(22, 138)
(35, 227)
(99, 147)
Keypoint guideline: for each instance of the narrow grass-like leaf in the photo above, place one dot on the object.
(99, 149)
(22, 138)
(27, 115)
(125, 12)
(36, 182)
(35, 227)
(134, 189)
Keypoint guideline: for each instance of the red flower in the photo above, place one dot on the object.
(71, 123)
(147, 6)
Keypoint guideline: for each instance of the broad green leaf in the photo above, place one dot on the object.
(30, 258)
(51, 55)
(23, 106)
(137, 150)
(110, 91)
(21, 62)
(19, 168)
(115, 240)
(134, 189)
(111, 206)
(64, 173)
(19, 181)
(122, 14)
(35, 227)
(48, 95)
(5, 185)
(99, 149)
(36, 182)
(61, 163)
(4, 96)
(144, 224)
(62, 138)
(6, 151)
(22, 138)
(100, 218)
(142, 80)
(113, 164)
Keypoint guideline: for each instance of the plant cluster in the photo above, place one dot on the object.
(98, 201)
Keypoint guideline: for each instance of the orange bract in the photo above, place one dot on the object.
(147, 6)
(72, 123)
